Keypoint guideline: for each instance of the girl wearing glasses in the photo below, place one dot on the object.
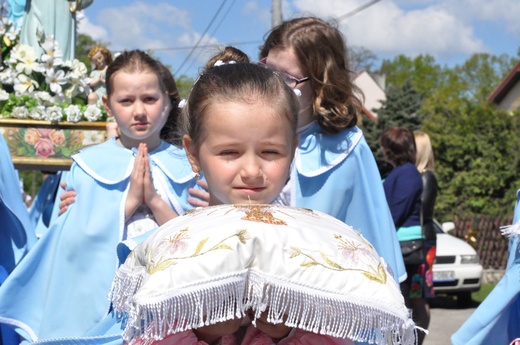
(334, 170)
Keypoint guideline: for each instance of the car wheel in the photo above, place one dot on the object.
(464, 299)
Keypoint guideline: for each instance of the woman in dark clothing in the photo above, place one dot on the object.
(403, 187)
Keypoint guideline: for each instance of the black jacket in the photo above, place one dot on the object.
(428, 197)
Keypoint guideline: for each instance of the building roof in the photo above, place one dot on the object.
(369, 114)
(505, 85)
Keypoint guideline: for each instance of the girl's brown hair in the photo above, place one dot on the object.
(320, 48)
(134, 61)
(226, 55)
(240, 82)
(139, 61)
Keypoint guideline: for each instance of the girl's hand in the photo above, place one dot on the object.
(135, 195)
(199, 198)
(150, 195)
(142, 191)
(67, 198)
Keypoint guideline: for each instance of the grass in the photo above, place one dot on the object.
(485, 289)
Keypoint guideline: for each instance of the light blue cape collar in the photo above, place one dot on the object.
(170, 159)
(321, 151)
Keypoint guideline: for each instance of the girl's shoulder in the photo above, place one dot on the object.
(106, 162)
(318, 152)
(173, 161)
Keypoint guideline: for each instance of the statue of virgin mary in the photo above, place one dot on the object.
(52, 17)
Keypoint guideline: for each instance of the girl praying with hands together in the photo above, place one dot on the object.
(125, 186)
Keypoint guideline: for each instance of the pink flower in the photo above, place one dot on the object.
(31, 136)
(44, 148)
(350, 256)
(171, 246)
(57, 137)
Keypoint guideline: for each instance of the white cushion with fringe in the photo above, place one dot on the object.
(308, 269)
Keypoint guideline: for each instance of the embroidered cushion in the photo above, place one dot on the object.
(306, 268)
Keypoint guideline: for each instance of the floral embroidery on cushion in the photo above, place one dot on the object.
(353, 254)
(163, 257)
(259, 213)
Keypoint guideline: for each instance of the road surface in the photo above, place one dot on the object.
(446, 318)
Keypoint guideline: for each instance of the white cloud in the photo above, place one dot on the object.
(201, 55)
(158, 28)
(260, 13)
(502, 12)
(386, 29)
(139, 25)
(97, 32)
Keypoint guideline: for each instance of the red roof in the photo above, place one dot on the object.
(506, 85)
(369, 114)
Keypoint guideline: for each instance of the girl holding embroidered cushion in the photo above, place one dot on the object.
(240, 131)
(334, 169)
(126, 186)
(240, 166)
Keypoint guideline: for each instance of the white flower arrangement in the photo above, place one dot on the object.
(45, 87)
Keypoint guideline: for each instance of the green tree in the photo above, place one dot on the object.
(32, 180)
(476, 158)
(424, 74)
(184, 84)
(401, 109)
(480, 74)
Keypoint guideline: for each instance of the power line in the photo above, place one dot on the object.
(193, 61)
(211, 45)
(357, 10)
(201, 37)
(223, 17)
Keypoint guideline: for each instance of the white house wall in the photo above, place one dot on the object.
(372, 91)
(512, 100)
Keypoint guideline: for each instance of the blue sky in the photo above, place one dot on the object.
(450, 30)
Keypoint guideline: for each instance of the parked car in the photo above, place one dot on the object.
(457, 269)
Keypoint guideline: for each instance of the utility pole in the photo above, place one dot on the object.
(276, 13)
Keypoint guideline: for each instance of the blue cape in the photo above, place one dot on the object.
(17, 235)
(337, 174)
(45, 206)
(497, 318)
(61, 287)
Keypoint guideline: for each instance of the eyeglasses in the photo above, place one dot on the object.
(291, 81)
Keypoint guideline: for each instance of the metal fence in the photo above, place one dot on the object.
(483, 233)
